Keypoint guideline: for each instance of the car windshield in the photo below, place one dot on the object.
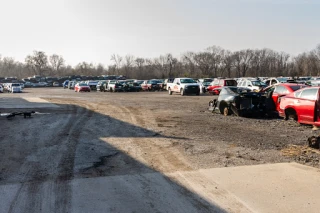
(155, 82)
(237, 89)
(83, 85)
(187, 80)
(206, 83)
(231, 83)
(258, 83)
(296, 87)
(15, 85)
(208, 80)
(282, 79)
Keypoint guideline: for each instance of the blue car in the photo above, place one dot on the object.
(65, 84)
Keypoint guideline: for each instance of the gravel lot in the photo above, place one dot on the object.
(106, 134)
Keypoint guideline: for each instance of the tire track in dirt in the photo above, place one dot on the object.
(29, 195)
(156, 151)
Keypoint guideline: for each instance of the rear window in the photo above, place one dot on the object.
(296, 87)
(15, 85)
(207, 80)
(231, 83)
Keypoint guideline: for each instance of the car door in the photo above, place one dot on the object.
(277, 93)
(176, 87)
(305, 105)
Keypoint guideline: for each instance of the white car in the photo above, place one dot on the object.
(251, 84)
(42, 84)
(1, 88)
(55, 84)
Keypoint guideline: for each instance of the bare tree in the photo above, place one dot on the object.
(242, 60)
(227, 63)
(56, 63)
(117, 62)
(38, 62)
(128, 63)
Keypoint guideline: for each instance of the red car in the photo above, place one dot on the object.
(151, 85)
(80, 87)
(220, 83)
(276, 91)
(302, 105)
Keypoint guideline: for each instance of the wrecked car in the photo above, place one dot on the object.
(238, 101)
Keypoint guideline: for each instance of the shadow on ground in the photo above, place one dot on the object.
(63, 162)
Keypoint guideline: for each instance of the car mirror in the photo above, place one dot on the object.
(178, 83)
(249, 85)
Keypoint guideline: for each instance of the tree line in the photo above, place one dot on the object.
(212, 62)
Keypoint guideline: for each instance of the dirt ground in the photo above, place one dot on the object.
(106, 134)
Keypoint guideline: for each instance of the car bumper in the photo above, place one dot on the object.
(84, 89)
(192, 90)
(282, 113)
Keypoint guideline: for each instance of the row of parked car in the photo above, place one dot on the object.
(11, 87)
(130, 85)
(299, 102)
(257, 97)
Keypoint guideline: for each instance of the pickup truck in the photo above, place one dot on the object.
(184, 86)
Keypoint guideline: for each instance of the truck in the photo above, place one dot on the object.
(183, 86)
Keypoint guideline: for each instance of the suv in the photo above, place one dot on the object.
(220, 83)
(251, 84)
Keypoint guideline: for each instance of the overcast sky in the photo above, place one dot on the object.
(92, 30)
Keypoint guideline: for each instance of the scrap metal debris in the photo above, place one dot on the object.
(297, 150)
(13, 114)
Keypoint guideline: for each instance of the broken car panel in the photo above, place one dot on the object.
(234, 100)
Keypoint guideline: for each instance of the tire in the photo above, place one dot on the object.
(226, 111)
(170, 92)
(291, 113)
(110, 89)
(182, 92)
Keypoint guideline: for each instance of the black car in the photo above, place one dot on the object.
(131, 87)
(238, 101)
(102, 86)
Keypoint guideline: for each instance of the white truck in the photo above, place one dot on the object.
(184, 86)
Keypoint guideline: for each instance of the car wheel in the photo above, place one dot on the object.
(170, 92)
(226, 111)
(291, 114)
(182, 92)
